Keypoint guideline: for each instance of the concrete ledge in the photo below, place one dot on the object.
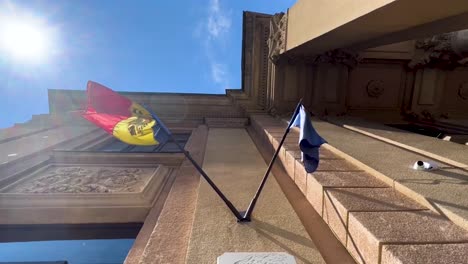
(340, 202)
(427, 254)
(443, 191)
(329, 246)
(371, 230)
(361, 205)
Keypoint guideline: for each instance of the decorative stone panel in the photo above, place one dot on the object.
(376, 86)
(86, 187)
(454, 101)
(85, 179)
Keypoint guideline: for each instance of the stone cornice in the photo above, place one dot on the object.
(338, 56)
(168, 106)
(227, 122)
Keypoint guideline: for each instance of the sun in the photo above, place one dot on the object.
(24, 40)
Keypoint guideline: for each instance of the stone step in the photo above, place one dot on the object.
(375, 222)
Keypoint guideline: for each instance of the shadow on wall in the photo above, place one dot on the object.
(448, 177)
(455, 134)
(269, 231)
(429, 215)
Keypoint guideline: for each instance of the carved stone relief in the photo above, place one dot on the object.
(277, 37)
(86, 180)
(338, 56)
(375, 88)
(446, 51)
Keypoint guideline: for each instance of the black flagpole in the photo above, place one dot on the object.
(210, 182)
(248, 213)
(199, 169)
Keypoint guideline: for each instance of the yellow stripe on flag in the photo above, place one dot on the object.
(136, 131)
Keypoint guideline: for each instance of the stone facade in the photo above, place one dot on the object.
(52, 164)
(53, 169)
(417, 78)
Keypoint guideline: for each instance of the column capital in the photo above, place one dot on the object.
(444, 51)
(277, 38)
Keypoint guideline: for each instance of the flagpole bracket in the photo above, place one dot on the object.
(244, 219)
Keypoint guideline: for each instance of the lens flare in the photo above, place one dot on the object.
(24, 38)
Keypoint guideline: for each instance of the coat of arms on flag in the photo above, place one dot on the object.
(119, 116)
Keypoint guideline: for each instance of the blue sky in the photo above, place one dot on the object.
(162, 46)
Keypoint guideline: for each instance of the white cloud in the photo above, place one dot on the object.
(219, 21)
(218, 73)
(213, 32)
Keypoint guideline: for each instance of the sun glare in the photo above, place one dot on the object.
(24, 40)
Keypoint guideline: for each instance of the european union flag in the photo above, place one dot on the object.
(309, 140)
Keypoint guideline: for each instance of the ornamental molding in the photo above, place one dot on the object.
(463, 91)
(277, 38)
(445, 51)
(337, 56)
(84, 179)
(340, 56)
(83, 193)
(375, 88)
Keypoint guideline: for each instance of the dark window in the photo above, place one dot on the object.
(115, 145)
(90, 251)
(71, 244)
(422, 130)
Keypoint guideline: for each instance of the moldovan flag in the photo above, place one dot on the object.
(119, 116)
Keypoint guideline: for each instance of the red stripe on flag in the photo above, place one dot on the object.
(103, 100)
(105, 107)
(104, 121)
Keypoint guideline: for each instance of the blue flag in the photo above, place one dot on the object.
(309, 140)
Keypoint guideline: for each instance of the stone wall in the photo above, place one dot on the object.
(53, 169)
(424, 78)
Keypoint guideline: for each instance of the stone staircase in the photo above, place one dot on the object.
(376, 223)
